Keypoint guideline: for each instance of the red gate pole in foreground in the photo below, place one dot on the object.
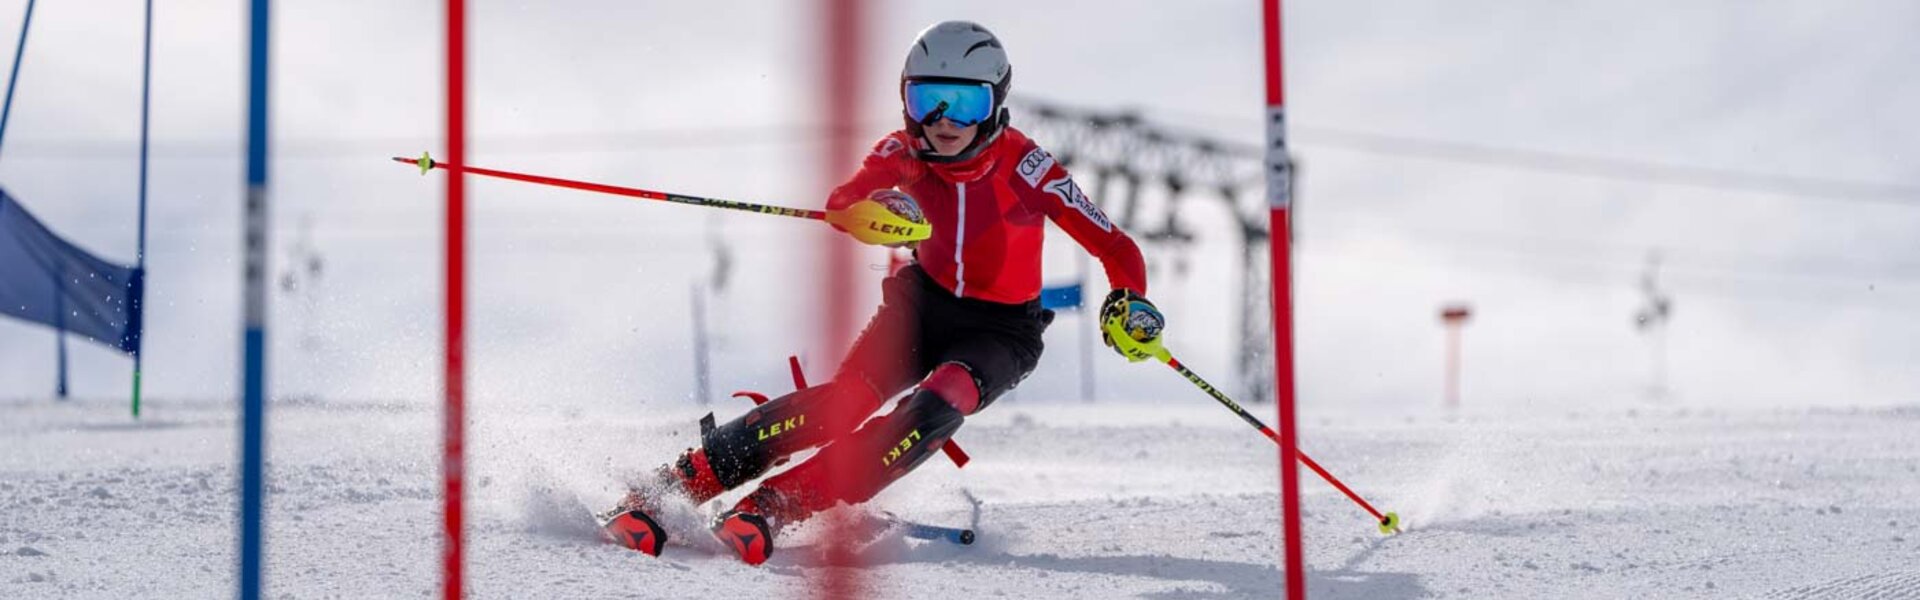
(453, 460)
(841, 48)
(1279, 199)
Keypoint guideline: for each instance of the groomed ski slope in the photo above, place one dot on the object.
(1172, 500)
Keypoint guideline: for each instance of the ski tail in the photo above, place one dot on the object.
(922, 531)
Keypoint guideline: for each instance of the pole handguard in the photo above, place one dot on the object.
(887, 218)
(1131, 325)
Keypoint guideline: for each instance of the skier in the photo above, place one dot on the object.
(961, 325)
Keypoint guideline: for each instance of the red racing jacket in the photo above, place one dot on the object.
(989, 216)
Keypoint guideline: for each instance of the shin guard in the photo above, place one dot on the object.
(881, 452)
(744, 448)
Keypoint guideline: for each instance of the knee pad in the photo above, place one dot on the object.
(954, 383)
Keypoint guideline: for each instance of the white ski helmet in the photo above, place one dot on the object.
(956, 70)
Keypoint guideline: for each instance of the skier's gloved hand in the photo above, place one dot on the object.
(1130, 325)
(884, 218)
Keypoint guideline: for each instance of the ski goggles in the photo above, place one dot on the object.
(963, 103)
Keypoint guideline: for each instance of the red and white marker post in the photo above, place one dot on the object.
(1454, 316)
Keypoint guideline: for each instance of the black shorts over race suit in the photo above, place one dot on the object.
(921, 325)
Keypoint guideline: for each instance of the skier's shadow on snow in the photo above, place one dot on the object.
(151, 424)
(1241, 580)
(1346, 582)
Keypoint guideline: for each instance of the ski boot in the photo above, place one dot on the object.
(636, 521)
(880, 452)
(637, 531)
(750, 527)
(748, 534)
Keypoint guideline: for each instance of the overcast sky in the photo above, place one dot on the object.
(1800, 296)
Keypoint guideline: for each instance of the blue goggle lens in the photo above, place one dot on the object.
(963, 103)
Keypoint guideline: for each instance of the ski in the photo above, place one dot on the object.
(638, 531)
(921, 531)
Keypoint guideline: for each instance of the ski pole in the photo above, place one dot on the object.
(427, 163)
(1389, 522)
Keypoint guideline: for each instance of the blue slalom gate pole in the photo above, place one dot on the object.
(6, 110)
(254, 407)
(60, 335)
(19, 51)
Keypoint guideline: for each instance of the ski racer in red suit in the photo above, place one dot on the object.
(959, 327)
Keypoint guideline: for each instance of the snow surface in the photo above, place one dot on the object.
(1079, 501)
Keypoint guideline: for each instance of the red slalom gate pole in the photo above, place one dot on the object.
(453, 459)
(1389, 522)
(841, 41)
(1279, 197)
(427, 163)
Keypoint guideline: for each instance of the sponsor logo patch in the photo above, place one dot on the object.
(779, 427)
(1035, 165)
(1070, 193)
(888, 147)
(900, 449)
